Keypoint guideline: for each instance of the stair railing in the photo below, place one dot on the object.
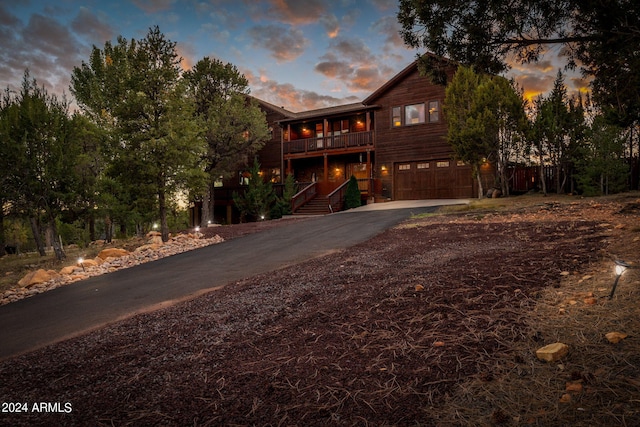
(336, 197)
(303, 196)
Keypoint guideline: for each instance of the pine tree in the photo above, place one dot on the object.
(352, 195)
(258, 199)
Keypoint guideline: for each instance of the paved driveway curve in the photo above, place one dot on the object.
(86, 305)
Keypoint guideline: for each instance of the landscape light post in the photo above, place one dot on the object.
(81, 263)
(621, 267)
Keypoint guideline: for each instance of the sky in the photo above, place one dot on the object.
(298, 54)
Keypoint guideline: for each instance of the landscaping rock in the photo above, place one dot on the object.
(113, 253)
(38, 276)
(552, 352)
(68, 269)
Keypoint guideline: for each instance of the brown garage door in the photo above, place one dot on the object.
(435, 179)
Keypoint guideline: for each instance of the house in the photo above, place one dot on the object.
(393, 142)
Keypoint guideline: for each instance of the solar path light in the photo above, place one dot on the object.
(620, 268)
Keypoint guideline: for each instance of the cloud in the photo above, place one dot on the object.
(534, 84)
(88, 25)
(288, 96)
(153, 6)
(351, 62)
(385, 5)
(331, 25)
(296, 12)
(284, 44)
(390, 28)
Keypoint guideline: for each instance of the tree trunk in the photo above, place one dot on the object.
(108, 229)
(207, 215)
(92, 228)
(3, 241)
(37, 237)
(476, 171)
(162, 202)
(543, 180)
(55, 241)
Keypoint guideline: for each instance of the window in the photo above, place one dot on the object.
(404, 167)
(414, 114)
(422, 165)
(443, 164)
(434, 111)
(244, 177)
(396, 120)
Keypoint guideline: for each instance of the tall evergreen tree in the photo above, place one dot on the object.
(135, 87)
(234, 127)
(39, 179)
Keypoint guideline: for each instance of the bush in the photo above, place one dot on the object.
(352, 198)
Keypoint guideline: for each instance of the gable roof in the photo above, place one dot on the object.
(272, 107)
(403, 74)
(390, 83)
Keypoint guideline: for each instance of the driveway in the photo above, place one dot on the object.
(84, 306)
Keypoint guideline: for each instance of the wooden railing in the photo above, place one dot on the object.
(346, 140)
(336, 197)
(303, 196)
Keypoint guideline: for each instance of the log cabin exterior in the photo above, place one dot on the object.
(393, 142)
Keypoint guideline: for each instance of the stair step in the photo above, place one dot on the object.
(317, 206)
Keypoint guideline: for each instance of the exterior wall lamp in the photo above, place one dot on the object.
(620, 268)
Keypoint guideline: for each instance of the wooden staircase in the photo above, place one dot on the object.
(319, 205)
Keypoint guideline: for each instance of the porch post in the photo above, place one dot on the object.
(369, 186)
(325, 175)
(288, 166)
(368, 121)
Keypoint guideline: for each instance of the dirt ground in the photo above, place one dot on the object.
(435, 322)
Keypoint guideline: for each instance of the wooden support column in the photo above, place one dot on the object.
(289, 171)
(325, 175)
(368, 121)
(369, 180)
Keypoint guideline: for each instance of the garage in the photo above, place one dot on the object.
(434, 179)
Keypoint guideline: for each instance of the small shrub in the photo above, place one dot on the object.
(352, 195)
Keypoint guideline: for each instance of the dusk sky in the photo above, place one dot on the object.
(300, 54)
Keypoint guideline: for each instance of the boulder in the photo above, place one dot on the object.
(36, 277)
(155, 240)
(89, 263)
(552, 352)
(68, 269)
(113, 253)
(149, 247)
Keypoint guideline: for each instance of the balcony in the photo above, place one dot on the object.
(344, 143)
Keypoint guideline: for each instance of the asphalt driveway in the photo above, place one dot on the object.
(86, 305)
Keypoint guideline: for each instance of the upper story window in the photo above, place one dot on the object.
(415, 114)
(434, 111)
(396, 119)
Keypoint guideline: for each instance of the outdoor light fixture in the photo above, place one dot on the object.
(155, 226)
(621, 267)
(197, 229)
(262, 217)
(81, 263)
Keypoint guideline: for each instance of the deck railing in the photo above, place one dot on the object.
(334, 142)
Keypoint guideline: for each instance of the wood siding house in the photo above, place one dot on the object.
(393, 142)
